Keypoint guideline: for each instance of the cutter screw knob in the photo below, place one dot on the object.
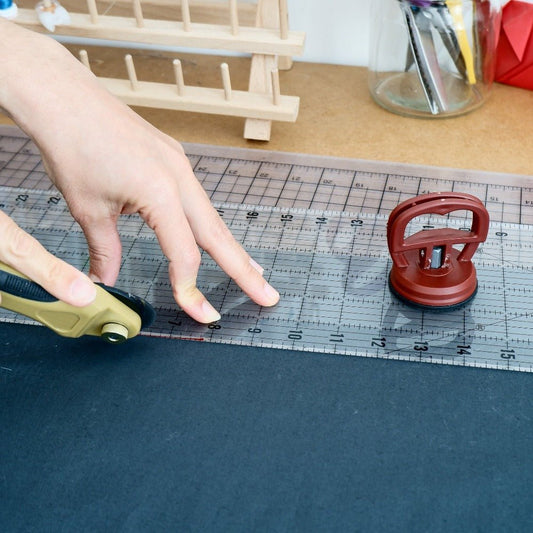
(114, 333)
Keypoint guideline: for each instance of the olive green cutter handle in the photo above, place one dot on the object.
(105, 317)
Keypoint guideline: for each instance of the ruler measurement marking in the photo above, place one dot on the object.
(284, 184)
(316, 188)
(340, 335)
(252, 181)
(306, 285)
(521, 193)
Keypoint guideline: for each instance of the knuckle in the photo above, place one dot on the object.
(184, 292)
(177, 147)
(191, 259)
(54, 273)
(218, 235)
(183, 273)
(244, 274)
(100, 254)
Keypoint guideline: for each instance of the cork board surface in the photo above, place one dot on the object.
(338, 116)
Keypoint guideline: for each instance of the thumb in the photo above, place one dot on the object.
(25, 254)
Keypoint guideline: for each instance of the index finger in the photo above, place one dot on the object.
(178, 244)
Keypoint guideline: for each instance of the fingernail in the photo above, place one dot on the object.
(83, 291)
(210, 314)
(257, 266)
(271, 293)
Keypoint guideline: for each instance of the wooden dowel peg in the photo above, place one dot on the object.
(84, 58)
(283, 19)
(131, 72)
(276, 92)
(186, 15)
(93, 12)
(226, 81)
(234, 17)
(178, 74)
(138, 13)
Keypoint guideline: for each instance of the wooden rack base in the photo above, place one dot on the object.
(204, 100)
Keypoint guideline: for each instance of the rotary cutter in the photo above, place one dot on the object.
(114, 315)
(428, 271)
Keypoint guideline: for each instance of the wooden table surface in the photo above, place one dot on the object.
(338, 116)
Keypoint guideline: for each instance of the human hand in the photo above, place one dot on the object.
(133, 168)
(107, 161)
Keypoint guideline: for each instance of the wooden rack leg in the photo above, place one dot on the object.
(276, 93)
(268, 16)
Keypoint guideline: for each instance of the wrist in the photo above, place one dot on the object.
(42, 86)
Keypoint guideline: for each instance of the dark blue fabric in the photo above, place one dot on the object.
(163, 435)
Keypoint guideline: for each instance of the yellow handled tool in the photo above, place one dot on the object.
(114, 315)
(456, 10)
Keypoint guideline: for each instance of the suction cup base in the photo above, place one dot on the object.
(436, 308)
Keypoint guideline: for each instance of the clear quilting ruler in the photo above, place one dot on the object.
(317, 225)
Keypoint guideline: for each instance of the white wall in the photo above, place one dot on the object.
(337, 30)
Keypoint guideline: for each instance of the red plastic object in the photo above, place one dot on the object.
(453, 280)
(514, 61)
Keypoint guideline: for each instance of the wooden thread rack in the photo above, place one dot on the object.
(270, 43)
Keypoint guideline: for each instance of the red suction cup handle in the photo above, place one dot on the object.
(427, 270)
(441, 204)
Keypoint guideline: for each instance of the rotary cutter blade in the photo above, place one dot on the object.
(114, 315)
(428, 271)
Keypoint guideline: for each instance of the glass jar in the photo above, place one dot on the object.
(433, 58)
